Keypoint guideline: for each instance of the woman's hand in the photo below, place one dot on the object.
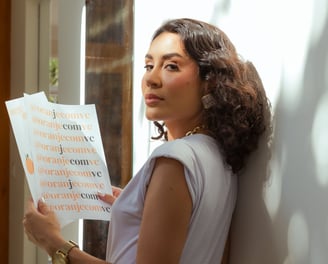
(110, 199)
(42, 227)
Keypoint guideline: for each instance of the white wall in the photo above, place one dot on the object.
(282, 213)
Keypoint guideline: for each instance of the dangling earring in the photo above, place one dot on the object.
(208, 101)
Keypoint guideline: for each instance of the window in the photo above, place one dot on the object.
(108, 85)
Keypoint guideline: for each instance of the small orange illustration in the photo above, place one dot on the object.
(29, 164)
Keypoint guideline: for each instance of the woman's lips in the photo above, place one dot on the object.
(152, 99)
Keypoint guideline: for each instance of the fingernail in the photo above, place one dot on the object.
(100, 193)
(43, 200)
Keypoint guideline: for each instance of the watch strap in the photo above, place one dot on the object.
(66, 248)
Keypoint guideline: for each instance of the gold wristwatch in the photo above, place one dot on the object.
(61, 255)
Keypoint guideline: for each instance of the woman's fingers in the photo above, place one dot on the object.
(41, 224)
(116, 191)
(107, 198)
(43, 207)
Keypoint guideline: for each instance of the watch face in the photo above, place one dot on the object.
(59, 258)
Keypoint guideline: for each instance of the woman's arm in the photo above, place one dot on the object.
(166, 215)
(77, 256)
(226, 252)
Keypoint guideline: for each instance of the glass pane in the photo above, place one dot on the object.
(53, 52)
(108, 84)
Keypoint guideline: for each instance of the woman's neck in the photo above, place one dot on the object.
(174, 133)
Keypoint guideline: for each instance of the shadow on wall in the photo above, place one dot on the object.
(297, 231)
(252, 238)
(302, 217)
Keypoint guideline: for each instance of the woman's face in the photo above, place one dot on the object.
(171, 85)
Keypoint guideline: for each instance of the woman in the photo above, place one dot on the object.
(209, 107)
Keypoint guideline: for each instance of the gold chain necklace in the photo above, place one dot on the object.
(194, 131)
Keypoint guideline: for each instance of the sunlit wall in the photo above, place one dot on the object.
(282, 213)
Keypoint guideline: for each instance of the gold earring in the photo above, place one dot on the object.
(208, 101)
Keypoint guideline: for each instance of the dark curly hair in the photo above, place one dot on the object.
(237, 119)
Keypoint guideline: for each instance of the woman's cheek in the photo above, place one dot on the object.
(176, 83)
(143, 85)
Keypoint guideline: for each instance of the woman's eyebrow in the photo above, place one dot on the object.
(171, 55)
(165, 56)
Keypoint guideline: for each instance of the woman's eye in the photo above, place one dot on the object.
(148, 67)
(172, 67)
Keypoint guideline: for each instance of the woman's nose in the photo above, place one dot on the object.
(153, 79)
